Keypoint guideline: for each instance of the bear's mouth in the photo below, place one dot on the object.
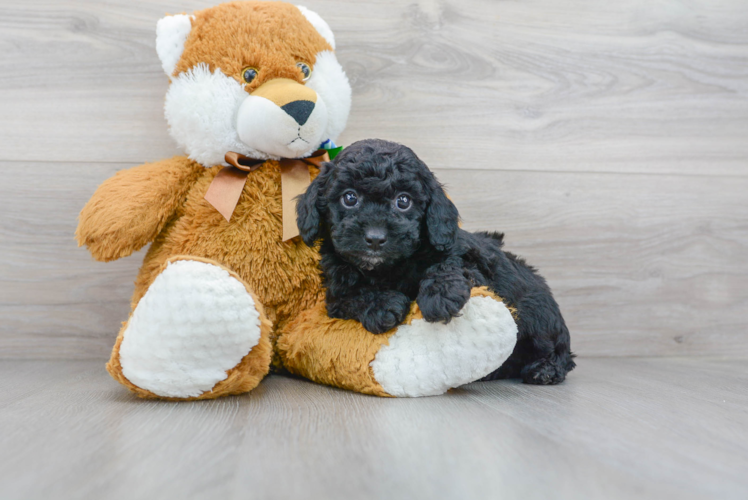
(298, 138)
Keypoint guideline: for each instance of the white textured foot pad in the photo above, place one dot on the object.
(427, 359)
(194, 324)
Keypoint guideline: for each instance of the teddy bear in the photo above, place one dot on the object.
(227, 291)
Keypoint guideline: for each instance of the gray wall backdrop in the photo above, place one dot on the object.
(609, 140)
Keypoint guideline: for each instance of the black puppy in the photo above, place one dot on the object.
(390, 236)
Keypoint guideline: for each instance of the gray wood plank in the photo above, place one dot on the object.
(618, 428)
(641, 264)
(635, 87)
(54, 296)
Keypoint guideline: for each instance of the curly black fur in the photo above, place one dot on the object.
(377, 257)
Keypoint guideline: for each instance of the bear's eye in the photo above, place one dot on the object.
(349, 199)
(403, 202)
(305, 70)
(249, 74)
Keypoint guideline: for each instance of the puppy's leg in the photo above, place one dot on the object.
(443, 292)
(546, 357)
(377, 310)
(385, 311)
(347, 298)
(548, 371)
(542, 355)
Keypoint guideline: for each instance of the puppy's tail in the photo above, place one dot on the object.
(494, 235)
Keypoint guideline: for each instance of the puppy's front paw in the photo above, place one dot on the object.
(387, 310)
(440, 301)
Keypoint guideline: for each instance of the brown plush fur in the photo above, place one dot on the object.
(338, 352)
(283, 275)
(128, 210)
(332, 351)
(164, 203)
(242, 378)
(271, 37)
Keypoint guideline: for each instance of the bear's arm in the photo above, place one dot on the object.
(129, 210)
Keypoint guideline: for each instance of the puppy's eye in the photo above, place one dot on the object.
(403, 202)
(305, 70)
(249, 74)
(349, 199)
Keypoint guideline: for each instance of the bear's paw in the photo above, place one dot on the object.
(427, 359)
(194, 324)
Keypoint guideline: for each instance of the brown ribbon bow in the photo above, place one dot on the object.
(227, 186)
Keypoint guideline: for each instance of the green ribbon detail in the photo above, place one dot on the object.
(334, 152)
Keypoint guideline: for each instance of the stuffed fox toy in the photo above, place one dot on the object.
(227, 290)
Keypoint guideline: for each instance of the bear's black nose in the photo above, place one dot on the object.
(299, 110)
(375, 238)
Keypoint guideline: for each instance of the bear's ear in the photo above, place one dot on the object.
(319, 24)
(171, 33)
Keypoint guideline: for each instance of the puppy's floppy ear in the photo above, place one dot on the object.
(310, 207)
(442, 218)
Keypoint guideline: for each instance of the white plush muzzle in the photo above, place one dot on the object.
(286, 137)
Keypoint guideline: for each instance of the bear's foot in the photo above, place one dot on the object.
(427, 359)
(197, 333)
(412, 360)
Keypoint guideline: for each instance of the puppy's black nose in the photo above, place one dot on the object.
(375, 238)
(299, 110)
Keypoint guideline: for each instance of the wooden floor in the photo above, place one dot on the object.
(618, 428)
